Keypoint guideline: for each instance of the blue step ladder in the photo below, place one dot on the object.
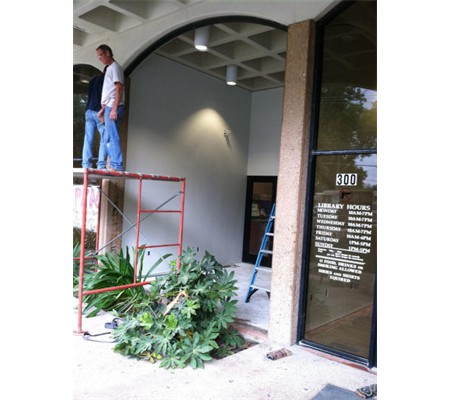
(252, 288)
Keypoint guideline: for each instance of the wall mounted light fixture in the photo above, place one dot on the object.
(231, 75)
(201, 40)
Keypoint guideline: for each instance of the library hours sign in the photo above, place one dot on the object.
(342, 236)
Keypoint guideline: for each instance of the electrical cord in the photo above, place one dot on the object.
(111, 325)
(89, 336)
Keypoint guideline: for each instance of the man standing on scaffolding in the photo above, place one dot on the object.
(113, 104)
(92, 121)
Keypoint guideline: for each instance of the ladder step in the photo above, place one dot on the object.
(262, 252)
(260, 288)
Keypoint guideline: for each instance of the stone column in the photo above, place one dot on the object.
(292, 183)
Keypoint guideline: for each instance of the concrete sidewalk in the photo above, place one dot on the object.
(100, 373)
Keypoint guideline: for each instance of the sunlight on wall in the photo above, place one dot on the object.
(206, 123)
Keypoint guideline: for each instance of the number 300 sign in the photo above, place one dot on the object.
(346, 179)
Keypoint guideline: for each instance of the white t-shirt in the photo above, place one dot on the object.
(113, 74)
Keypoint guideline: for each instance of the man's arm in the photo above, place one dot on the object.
(101, 113)
(117, 98)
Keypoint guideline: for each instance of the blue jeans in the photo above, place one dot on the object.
(91, 122)
(111, 143)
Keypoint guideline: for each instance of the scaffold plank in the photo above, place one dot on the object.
(107, 174)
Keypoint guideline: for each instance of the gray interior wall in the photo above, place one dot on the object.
(177, 120)
(265, 128)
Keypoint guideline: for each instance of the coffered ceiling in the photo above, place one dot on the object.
(93, 18)
(257, 50)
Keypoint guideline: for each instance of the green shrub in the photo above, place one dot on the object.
(186, 318)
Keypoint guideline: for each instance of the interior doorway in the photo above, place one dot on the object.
(261, 195)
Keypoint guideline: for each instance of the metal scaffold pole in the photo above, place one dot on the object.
(102, 174)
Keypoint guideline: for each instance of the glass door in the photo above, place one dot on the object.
(338, 309)
(342, 253)
(261, 191)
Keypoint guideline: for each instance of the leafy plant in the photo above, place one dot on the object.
(115, 270)
(186, 319)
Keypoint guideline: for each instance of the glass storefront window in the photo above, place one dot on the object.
(341, 261)
(343, 253)
(348, 96)
(347, 118)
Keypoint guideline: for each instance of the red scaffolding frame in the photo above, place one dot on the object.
(88, 175)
